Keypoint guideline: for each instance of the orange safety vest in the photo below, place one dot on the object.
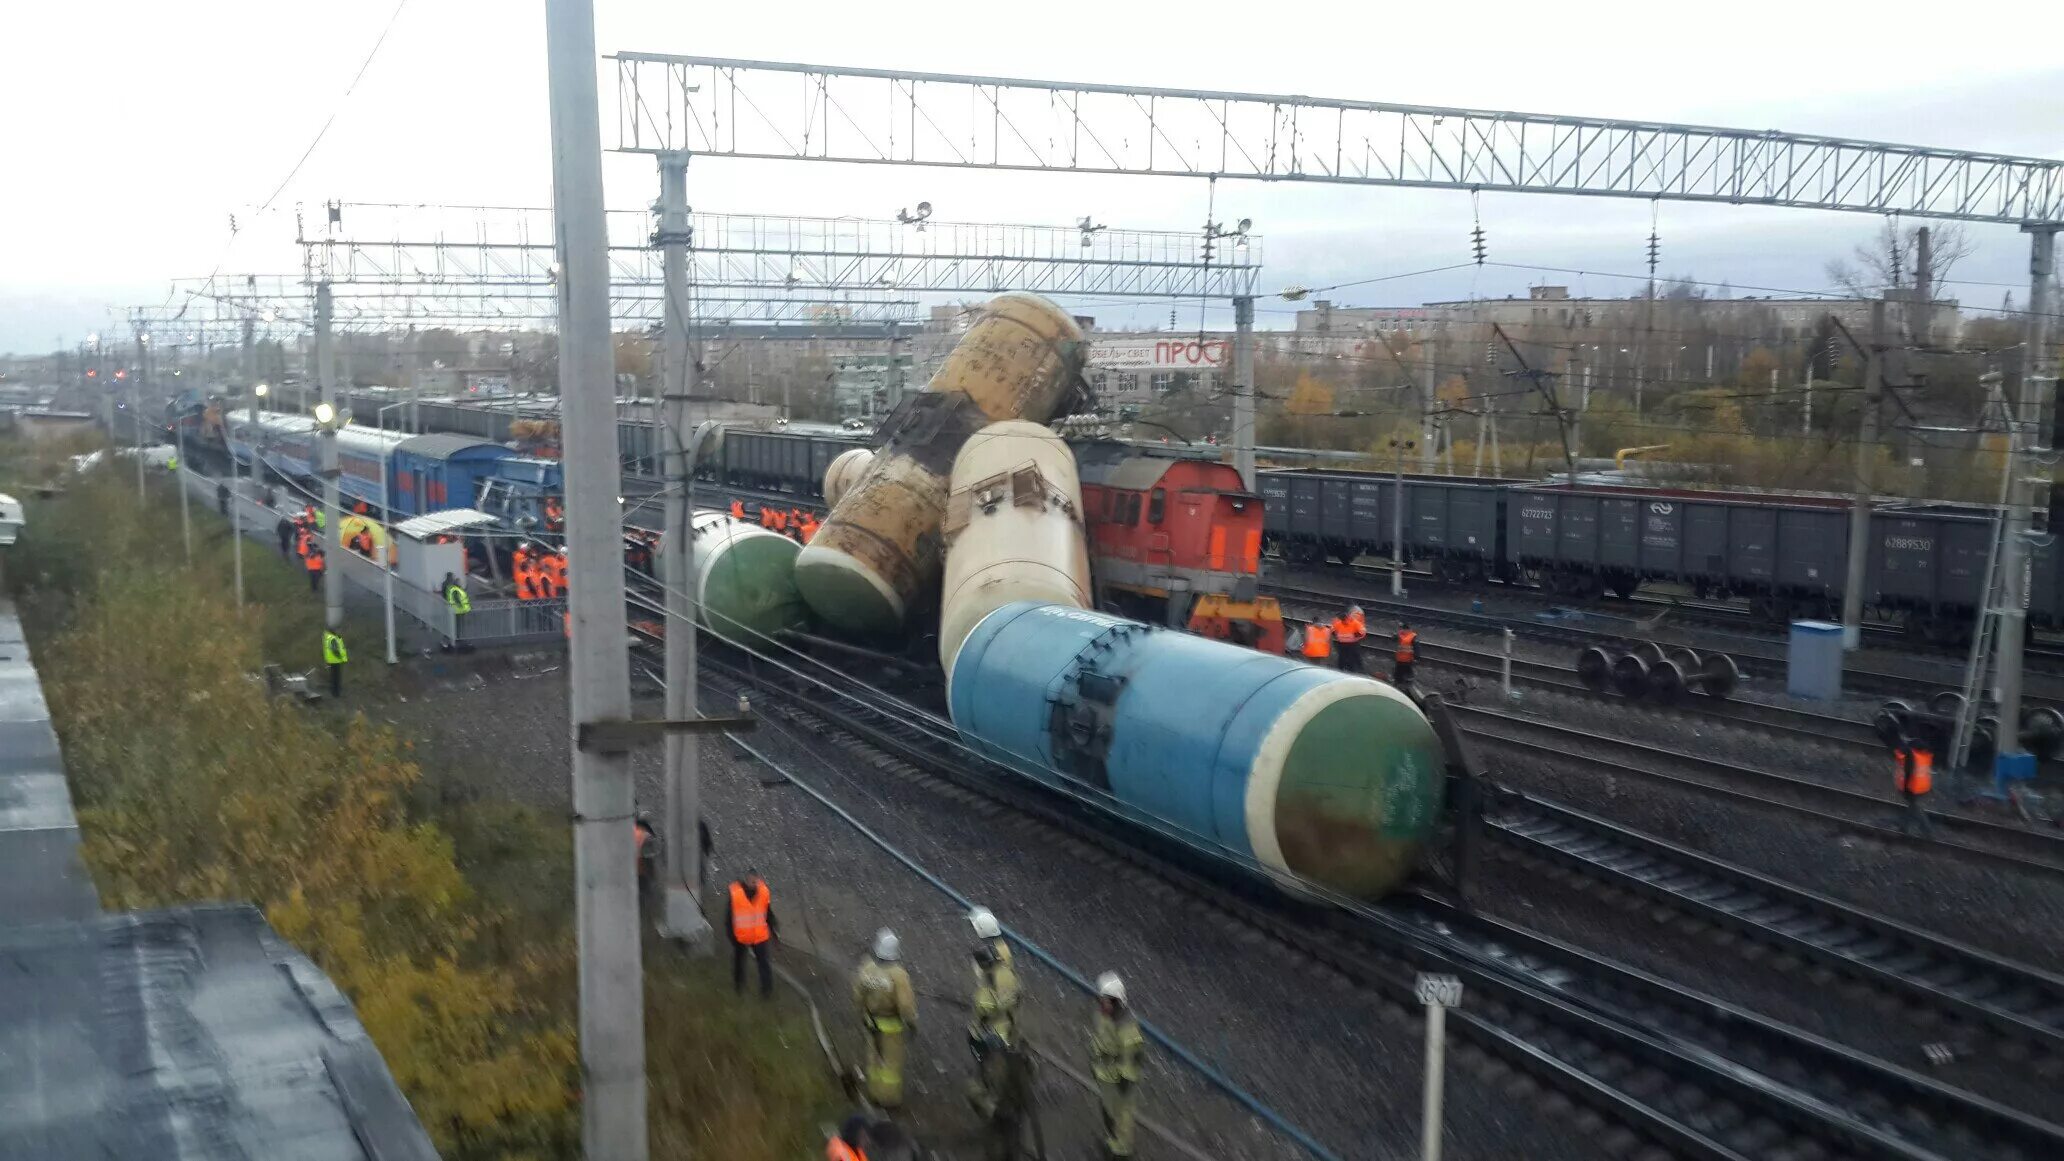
(555, 571)
(566, 624)
(526, 582)
(1318, 641)
(1914, 770)
(780, 521)
(315, 561)
(809, 528)
(554, 514)
(749, 914)
(837, 1150)
(1348, 630)
(1407, 645)
(737, 510)
(766, 516)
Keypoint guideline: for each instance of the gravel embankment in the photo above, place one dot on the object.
(1331, 1059)
(2013, 913)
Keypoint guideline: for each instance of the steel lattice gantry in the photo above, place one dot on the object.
(764, 109)
(841, 260)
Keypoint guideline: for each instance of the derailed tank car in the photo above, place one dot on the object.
(1328, 776)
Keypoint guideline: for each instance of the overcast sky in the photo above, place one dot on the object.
(133, 129)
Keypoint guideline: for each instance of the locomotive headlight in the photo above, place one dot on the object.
(325, 414)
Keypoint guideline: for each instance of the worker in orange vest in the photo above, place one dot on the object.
(749, 917)
(1318, 644)
(1405, 658)
(526, 581)
(850, 1144)
(1913, 772)
(315, 564)
(555, 574)
(795, 522)
(555, 515)
(1348, 631)
(809, 526)
(766, 517)
(780, 521)
(737, 509)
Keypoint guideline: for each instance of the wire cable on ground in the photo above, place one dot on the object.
(1174, 1047)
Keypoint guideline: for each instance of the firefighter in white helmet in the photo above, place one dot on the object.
(888, 1011)
(989, 931)
(993, 1031)
(1115, 1051)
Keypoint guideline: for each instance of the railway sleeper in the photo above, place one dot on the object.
(1896, 967)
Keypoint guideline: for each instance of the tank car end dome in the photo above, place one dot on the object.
(1346, 787)
(845, 593)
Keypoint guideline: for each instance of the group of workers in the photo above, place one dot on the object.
(540, 573)
(798, 524)
(1001, 1090)
(1338, 644)
(302, 535)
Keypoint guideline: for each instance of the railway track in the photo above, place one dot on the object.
(1965, 982)
(2018, 847)
(1681, 1070)
(1890, 1109)
(1730, 618)
(1758, 662)
(1802, 725)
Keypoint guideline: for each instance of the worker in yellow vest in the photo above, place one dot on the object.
(334, 655)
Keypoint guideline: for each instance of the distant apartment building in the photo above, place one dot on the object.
(1548, 311)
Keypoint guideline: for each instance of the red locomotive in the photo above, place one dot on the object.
(1176, 539)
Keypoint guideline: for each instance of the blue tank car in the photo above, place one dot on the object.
(1333, 777)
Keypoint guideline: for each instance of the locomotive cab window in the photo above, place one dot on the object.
(1158, 506)
(1130, 514)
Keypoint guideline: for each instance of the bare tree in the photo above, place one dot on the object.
(1888, 263)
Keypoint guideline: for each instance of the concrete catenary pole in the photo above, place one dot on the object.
(1860, 505)
(1243, 389)
(245, 371)
(2030, 449)
(682, 916)
(612, 1002)
(179, 478)
(136, 407)
(1429, 403)
(326, 384)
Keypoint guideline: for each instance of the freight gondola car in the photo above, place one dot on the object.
(1783, 553)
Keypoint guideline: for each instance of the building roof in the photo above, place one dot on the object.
(439, 446)
(193, 1033)
(450, 520)
(41, 875)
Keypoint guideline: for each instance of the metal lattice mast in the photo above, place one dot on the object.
(793, 111)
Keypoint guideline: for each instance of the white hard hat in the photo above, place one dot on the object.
(887, 948)
(1354, 610)
(984, 922)
(1111, 986)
